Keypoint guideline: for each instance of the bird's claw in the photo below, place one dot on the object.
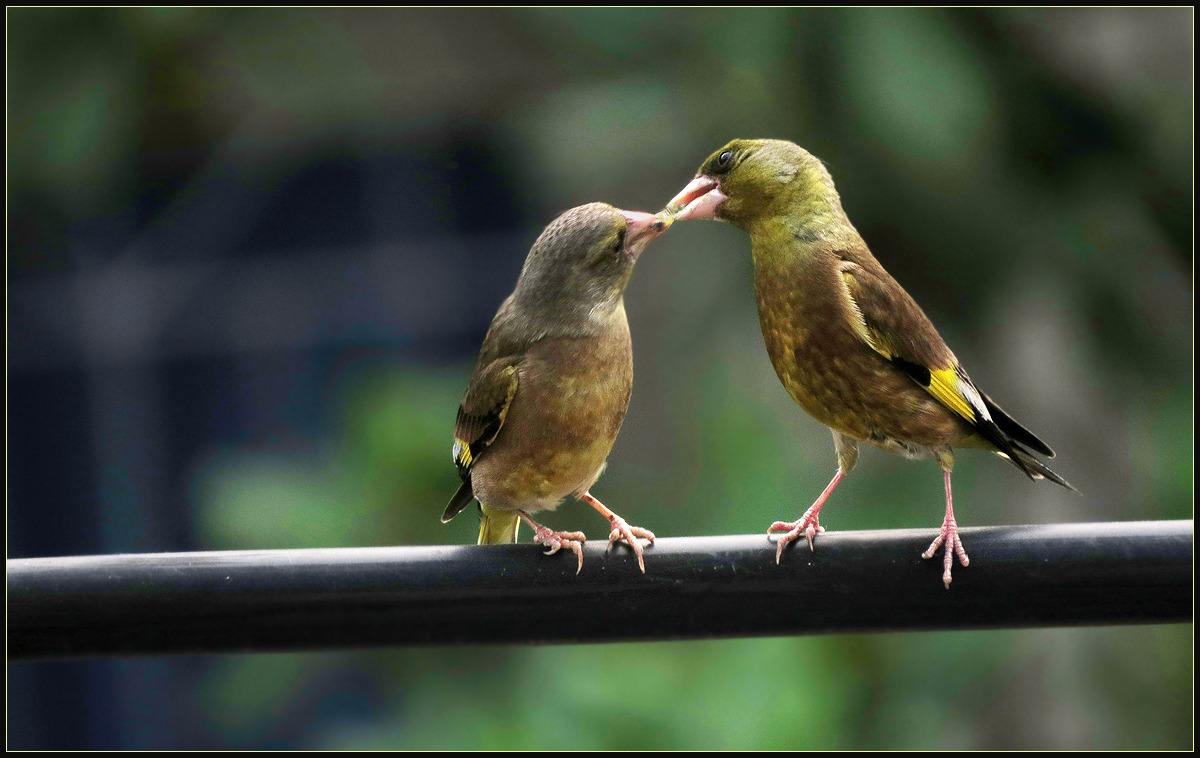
(623, 532)
(948, 535)
(808, 526)
(556, 541)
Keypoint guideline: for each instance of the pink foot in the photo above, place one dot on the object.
(808, 525)
(623, 532)
(556, 541)
(954, 546)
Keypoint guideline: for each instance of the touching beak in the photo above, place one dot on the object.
(641, 229)
(701, 198)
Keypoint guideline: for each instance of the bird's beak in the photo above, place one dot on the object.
(641, 229)
(701, 198)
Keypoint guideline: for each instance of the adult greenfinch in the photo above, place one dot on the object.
(848, 343)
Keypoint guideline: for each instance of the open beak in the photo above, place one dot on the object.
(701, 198)
(641, 229)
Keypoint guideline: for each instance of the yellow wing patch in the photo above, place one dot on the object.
(461, 454)
(947, 386)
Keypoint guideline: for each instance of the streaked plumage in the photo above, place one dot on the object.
(848, 343)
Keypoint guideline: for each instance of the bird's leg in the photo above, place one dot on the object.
(621, 531)
(555, 541)
(808, 525)
(948, 535)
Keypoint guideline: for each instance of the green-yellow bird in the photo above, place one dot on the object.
(849, 344)
(553, 380)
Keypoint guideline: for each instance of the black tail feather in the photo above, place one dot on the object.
(461, 500)
(1013, 430)
(1033, 468)
(1012, 442)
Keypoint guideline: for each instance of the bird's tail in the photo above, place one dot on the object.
(497, 527)
(1033, 468)
(461, 500)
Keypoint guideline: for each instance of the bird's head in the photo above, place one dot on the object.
(586, 256)
(752, 179)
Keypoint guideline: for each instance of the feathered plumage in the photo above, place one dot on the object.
(849, 344)
(553, 380)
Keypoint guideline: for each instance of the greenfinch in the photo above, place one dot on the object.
(849, 344)
(553, 380)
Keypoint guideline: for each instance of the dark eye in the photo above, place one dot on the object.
(724, 159)
(620, 240)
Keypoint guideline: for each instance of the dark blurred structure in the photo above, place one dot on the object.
(252, 252)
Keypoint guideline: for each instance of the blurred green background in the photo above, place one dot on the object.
(252, 254)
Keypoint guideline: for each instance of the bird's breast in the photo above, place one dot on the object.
(563, 421)
(830, 372)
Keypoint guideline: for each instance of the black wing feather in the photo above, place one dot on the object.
(461, 500)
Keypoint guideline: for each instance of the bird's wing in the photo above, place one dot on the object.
(485, 405)
(893, 325)
(480, 417)
(888, 320)
(483, 410)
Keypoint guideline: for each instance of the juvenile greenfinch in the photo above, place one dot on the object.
(553, 380)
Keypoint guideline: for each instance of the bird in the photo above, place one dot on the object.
(848, 343)
(552, 382)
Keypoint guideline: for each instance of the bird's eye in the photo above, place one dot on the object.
(620, 244)
(724, 159)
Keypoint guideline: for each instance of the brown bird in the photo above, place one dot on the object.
(553, 381)
(848, 343)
